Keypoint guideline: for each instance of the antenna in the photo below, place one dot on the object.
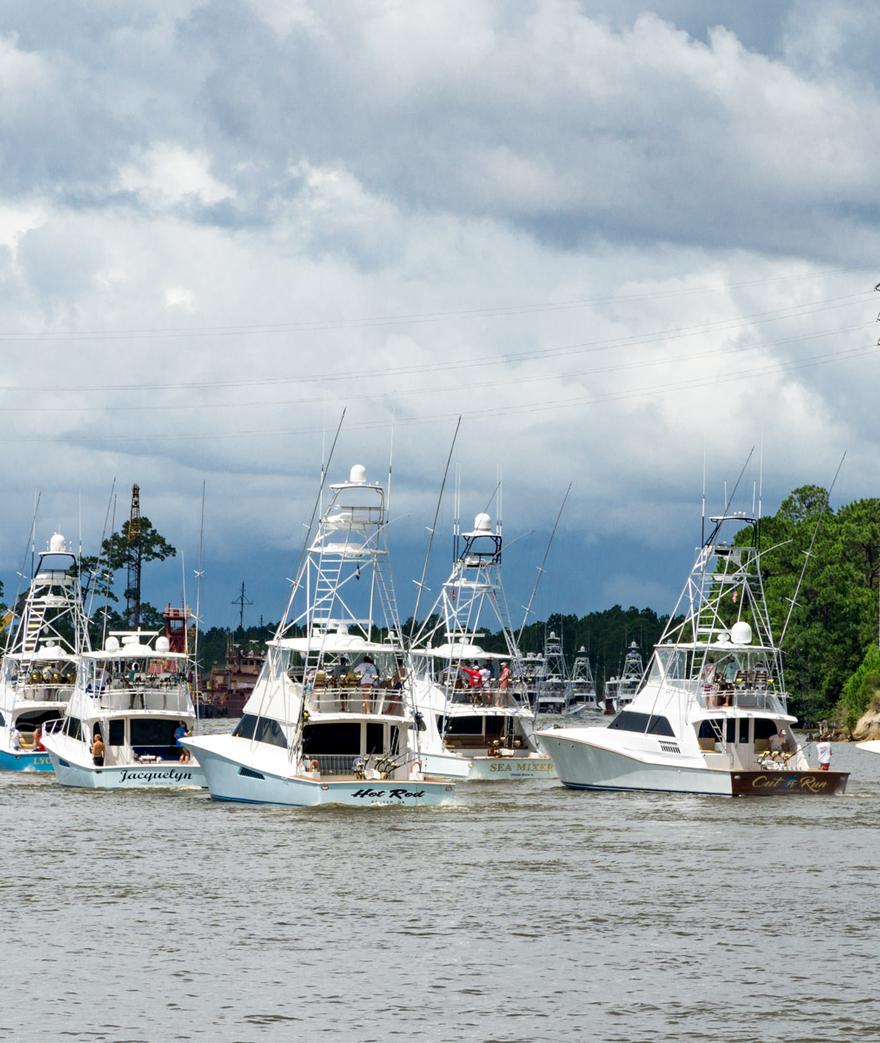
(241, 601)
(319, 500)
(703, 501)
(197, 679)
(541, 569)
(809, 554)
(390, 462)
(432, 531)
(135, 553)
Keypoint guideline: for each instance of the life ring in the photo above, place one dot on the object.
(314, 765)
(415, 770)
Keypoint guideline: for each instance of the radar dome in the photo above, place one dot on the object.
(57, 544)
(358, 474)
(111, 644)
(741, 633)
(162, 644)
(482, 523)
(723, 638)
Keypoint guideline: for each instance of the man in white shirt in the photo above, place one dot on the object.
(368, 675)
(823, 751)
(14, 737)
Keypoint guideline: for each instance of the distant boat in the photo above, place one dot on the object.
(620, 691)
(581, 696)
(712, 715)
(47, 633)
(478, 698)
(551, 688)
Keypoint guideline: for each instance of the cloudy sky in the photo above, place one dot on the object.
(616, 238)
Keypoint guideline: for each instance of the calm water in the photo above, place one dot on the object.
(524, 912)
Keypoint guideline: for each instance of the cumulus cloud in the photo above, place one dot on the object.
(614, 240)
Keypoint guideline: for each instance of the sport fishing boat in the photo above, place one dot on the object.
(47, 632)
(135, 695)
(621, 690)
(552, 691)
(711, 717)
(331, 719)
(581, 696)
(477, 698)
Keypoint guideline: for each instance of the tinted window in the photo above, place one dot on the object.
(332, 738)
(731, 730)
(152, 732)
(74, 728)
(710, 729)
(261, 729)
(375, 738)
(630, 721)
(764, 728)
(270, 731)
(463, 725)
(245, 727)
(744, 729)
(117, 733)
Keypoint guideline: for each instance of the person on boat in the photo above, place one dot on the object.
(368, 677)
(504, 684)
(38, 740)
(823, 752)
(180, 732)
(97, 750)
(778, 743)
(14, 737)
(337, 676)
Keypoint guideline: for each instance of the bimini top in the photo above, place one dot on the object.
(45, 652)
(334, 642)
(459, 650)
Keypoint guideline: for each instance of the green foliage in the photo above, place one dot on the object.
(118, 553)
(835, 619)
(861, 688)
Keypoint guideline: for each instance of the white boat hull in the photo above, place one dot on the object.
(71, 770)
(230, 780)
(581, 764)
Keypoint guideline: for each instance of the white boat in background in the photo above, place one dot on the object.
(331, 719)
(581, 696)
(135, 694)
(621, 690)
(711, 717)
(477, 698)
(551, 690)
(46, 635)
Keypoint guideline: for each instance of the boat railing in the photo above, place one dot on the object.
(744, 694)
(44, 693)
(487, 695)
(324, 699)
(172, 697)
(361, 766)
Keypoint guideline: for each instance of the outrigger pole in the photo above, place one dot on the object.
(540, 574)
(808, 554)
(431, 532)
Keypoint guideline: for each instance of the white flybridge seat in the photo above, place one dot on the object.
(477, 698)
(46, 635)
(331, 719)
(135, 695)
(711, 716)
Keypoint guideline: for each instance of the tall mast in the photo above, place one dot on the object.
(135, 557)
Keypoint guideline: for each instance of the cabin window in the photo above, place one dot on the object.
(394, 736)
(375, 738)
(74, 728)
(117, 733)
(343, 739)
(744, 730)
(245, 727)
(463, 725)
(261, 729)
(710, 729)
(152, 733)
(730, 734)
(630, 721)
(764, 729)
